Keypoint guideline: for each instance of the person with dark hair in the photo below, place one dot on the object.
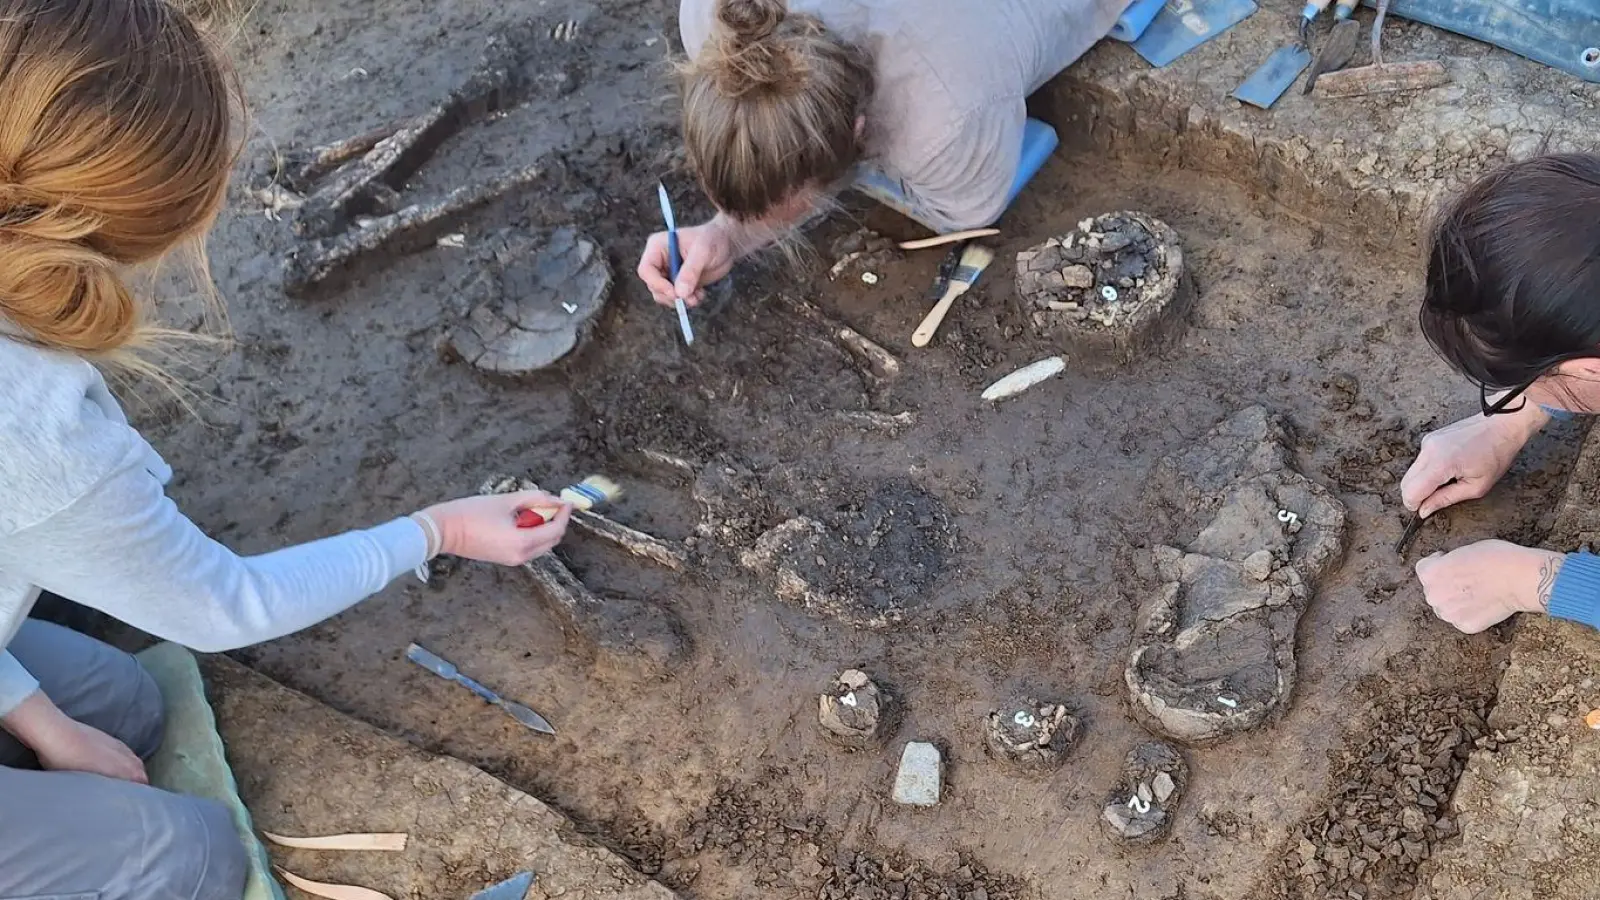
(1512, 302)
(921, 105)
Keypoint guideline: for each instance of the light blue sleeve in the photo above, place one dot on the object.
(1576, 594)
(125, 549)
(16, 683)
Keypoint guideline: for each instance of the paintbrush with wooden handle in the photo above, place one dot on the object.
(585, 495)
(974, 259)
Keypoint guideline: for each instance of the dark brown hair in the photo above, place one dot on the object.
(770, 106)
(1513, 282)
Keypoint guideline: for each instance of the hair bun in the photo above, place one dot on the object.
(751, 20)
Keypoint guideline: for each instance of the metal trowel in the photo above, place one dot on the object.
(1336, 52)
(513, 888)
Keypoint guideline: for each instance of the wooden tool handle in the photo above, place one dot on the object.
(533, 517)
(935, 317)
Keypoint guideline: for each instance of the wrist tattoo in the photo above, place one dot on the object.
(1548, 571)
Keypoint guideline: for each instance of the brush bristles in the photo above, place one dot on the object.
(591, 492)
(974, 260)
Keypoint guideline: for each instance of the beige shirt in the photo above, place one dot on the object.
(953, 77)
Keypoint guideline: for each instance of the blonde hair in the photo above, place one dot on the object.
(770, 106)
(115, 148)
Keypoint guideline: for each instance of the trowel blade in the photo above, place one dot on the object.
(1273, 78)
(513, 888)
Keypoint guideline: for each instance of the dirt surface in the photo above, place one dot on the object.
(1006, 540)
(465, 830)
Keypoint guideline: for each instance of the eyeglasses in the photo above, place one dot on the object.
(1502, 404)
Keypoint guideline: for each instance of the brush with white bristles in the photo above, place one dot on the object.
(585, 495)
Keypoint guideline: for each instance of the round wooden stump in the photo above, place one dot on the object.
(1111, 290)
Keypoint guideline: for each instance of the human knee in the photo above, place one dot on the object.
(144, 724)
(199, 856)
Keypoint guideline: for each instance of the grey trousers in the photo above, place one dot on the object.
(74, 836)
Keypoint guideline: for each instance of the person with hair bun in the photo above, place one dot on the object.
(922, 104)
(1512, 301)
(116, 123)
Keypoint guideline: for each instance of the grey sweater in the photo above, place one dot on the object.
(84, 514)
(953, 79)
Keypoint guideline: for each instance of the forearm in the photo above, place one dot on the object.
(126, 550)
(35, 721)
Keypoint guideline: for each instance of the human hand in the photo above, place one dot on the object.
(708, 252)
(76, 747)
(1475, 452)
(1485, 583)
(485, 528)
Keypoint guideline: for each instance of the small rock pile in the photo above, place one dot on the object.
(1110, 292)
(1141, 808)
(1394, 806)
(855, 712)
(1032, 736)
(869, 878)
(1096, 273)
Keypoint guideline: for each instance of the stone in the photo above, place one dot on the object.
(921, 775)
(1077, 277)
(855, 712)
(1163, 785)
(1259, 565)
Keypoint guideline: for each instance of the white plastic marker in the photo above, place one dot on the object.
(676, 260)
(1025, 377)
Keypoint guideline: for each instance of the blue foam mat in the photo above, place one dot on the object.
(1183, 25)
(1557, 33)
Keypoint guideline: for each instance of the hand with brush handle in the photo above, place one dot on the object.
(486, 528)
(1465, 460)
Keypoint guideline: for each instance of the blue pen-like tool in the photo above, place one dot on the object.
(676, 260)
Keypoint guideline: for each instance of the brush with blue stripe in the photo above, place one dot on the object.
(584, 496)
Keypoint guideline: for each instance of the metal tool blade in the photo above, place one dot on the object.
(527, 716)
(435, 664)
(666, 207)
(448, 671)
(1336, 52)
(513, 888)
(1273, 78)
(1409, 535)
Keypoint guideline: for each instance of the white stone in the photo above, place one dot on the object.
(1164, 786)
(921, 775)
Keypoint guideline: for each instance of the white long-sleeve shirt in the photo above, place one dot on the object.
(84, 514)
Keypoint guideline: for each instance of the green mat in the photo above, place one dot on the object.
(192, 760)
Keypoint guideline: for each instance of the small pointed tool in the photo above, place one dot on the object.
(974, 259)
(1414, 526)
(676, 260)
(448, 671)
(1409, 535)
(513, 888)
